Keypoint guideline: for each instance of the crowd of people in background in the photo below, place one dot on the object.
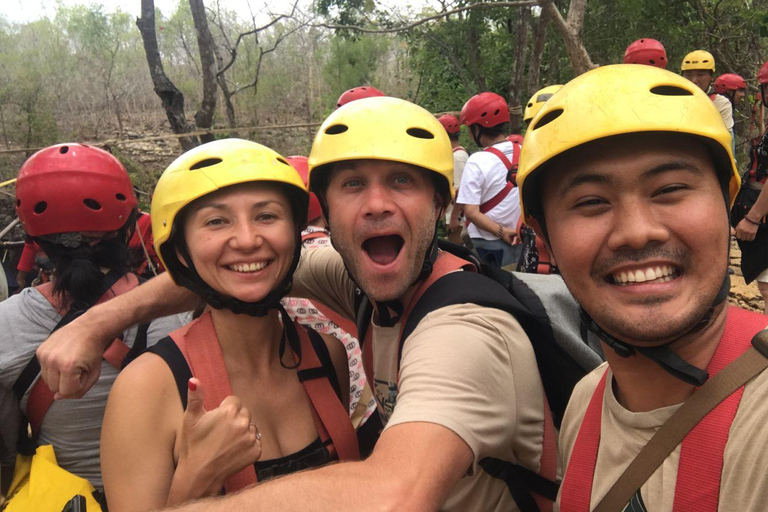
(283, 333)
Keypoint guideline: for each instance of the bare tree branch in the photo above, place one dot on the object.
(233, 51)
(422, 21)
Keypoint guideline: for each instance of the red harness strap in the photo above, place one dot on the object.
(313, 235)
(701, 455)
(40, 396)
(504, 192)
(445, 263)
(199, 344)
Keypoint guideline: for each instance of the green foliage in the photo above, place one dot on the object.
(352, 62)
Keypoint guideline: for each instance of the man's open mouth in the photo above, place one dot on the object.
(649, 275)
(383, 250)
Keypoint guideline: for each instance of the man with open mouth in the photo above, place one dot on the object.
(464, 387)
(628, 175)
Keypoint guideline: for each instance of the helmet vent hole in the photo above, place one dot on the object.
(496, 113)
(40, 207)
(63, 149)
(548, 118)
(18, 203)
(336, 129)
(419, 133)
(483, 114)
(652, 61)
(120, 197)
(208, 162)
(92, 204)
(283, 161)
(670, 90)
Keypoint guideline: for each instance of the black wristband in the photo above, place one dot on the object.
(751, 221)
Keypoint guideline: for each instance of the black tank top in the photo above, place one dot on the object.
(314, 455)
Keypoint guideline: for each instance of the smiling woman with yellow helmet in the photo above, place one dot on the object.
(227, 218)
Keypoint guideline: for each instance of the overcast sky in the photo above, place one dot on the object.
(21, 11)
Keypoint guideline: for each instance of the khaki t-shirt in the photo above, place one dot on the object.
(624, 433)
(467, 368)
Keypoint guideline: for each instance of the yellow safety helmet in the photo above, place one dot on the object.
(616, 100)
(538, 100)
(206, 169)
(382, 128)
(698, 59)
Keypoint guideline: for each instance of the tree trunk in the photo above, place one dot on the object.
(539, 38)
(204, 115)
(473, 45)
(171, 97)
(570, 31)
(516, 92)
(222, 81)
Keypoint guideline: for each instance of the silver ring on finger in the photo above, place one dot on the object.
(258, 432)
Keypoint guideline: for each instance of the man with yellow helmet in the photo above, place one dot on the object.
(537, 101)
(382, 169)
(699, 67)
(628, 174)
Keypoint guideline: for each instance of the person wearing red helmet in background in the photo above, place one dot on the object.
(77, 203)
(487, 194)
(323, 319)
(454, 215)
(646, 51)
(732, 86)
(751, 206)
(358, 93)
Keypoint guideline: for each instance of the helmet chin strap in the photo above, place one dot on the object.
(663, 355)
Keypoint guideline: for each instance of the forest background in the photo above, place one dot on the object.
(82, 74)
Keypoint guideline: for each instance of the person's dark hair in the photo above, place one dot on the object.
(494, 131)
(454, 136)
(77, 270)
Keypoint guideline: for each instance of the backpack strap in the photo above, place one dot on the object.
(459, 148)
(511, 165)
(471, 288)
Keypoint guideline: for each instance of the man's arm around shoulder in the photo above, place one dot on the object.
(71, 357)
(414, 467)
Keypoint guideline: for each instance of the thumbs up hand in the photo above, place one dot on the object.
(214, 444)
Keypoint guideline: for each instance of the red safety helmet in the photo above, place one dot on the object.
(300, 164)
(72, 188)
(762, 75)
(646, 51)
(358, 93)
(487, 109)
(515, 138)
(450, 123)
(729, 82)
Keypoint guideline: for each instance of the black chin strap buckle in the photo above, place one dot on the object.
(621, 348)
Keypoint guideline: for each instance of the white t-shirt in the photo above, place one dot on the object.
(485, 176)
(460, 157)
(725, 108)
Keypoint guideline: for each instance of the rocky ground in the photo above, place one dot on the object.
(742, 294)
